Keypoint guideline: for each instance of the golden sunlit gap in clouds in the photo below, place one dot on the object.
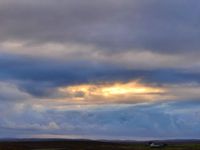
(119, 92)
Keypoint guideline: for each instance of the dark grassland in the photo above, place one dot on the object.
(94, 145)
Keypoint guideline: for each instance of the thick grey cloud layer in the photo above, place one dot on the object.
(106, 36)
(164, 26)
(48, 44)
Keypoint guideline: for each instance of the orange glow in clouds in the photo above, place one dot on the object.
(113, 92)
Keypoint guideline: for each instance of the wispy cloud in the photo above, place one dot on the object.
(161, 120)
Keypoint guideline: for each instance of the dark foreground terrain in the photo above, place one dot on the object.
(94, 145)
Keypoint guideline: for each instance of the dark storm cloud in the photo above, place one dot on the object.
(164, 26)
(41, 77)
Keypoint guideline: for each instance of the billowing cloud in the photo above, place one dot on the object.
(160, 121)
(10, 92)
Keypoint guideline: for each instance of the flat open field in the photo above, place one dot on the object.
(93, 145)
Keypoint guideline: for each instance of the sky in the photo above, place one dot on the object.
(100, 69)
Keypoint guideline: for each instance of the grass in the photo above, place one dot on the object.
(93, 145)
